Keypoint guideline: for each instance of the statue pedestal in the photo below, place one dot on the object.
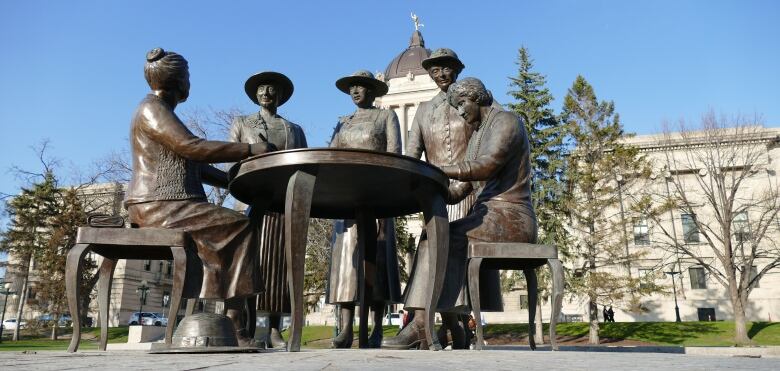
(145, 334)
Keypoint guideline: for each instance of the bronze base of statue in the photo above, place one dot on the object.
(204, 333)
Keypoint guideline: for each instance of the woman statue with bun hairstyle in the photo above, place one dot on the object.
(166, 191)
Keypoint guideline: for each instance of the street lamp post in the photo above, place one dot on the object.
(674, 287)
(142, 290)
(6, 290)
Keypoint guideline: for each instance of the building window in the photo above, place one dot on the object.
(646, 278)
(168, 269)
(741, 227)
(641, 231)
(147, 265)
(706, 314)
(523, 301)
(753, 274)
(698, 278)
(690, 229)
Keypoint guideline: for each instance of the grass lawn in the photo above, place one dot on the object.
(661, 333)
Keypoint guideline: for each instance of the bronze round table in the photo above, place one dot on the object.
(347, 184)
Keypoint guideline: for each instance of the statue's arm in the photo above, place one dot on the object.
(334, 138)
(213, 176)
(164, 127)
(495, 150)
(393, 130)
(414, 142)
(234, 135)
(303, 142)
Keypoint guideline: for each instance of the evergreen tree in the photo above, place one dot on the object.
(601, 164)
(31, 214)
(546, 135)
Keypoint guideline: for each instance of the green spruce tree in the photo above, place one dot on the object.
(546, 135)
(600, 165)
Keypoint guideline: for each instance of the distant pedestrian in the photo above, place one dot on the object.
(611, 314)
(605, 314)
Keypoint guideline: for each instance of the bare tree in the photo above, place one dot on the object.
(720, 178)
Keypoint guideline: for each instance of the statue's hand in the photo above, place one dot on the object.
(260, 148)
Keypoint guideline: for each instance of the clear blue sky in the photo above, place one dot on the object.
(71, 71)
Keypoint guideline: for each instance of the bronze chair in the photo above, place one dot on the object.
(516, 256)
(123, 243)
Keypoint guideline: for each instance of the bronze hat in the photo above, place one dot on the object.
(362, 77)
(269, 77)
(440, 55)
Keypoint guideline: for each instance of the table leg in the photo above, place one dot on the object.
(73, 267)
(438, 229)
(297, 209)
(366, 226)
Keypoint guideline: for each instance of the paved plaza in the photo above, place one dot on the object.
(488, 360)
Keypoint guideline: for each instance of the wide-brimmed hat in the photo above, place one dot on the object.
(440, 55)
(269, 78)
(362, 77)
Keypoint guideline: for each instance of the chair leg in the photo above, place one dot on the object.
(190, 306)
(473, 280)
(179, 273)
(104, 298)
(533, 294)
(73, 267)
(556, 268)
(251, 315)
(366, 226)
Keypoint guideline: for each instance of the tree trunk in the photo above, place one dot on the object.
(54, 328)
(539, 336)
(593, 313)
(740, 325)
(22, 299)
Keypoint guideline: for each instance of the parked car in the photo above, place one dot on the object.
(10, 324)
(155, 319)
(135, 321)
(64, 320)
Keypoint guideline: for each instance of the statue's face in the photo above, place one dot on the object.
(184, 87)
(361, 95)
(468, 110)
(443, 76)
(267, 96)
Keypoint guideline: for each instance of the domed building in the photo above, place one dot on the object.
(408, 82)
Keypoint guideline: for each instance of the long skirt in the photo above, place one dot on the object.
(276, 298)
(226, 242)
(381, 273)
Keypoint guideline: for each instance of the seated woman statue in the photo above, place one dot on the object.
(496, 164)
(377, 130)
(269, 90)
(166, 191)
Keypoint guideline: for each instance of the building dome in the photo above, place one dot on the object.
(410, 60)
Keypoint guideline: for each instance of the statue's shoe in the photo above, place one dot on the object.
(375, 340)
(410, 337)
(275, 339)
(343, 340)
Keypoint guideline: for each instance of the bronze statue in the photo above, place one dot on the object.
(166, 191)
(378, 130)
(270, 90)
(439, 132)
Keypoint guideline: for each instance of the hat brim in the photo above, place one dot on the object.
(379, 87)
(266, 78)
(428, 62)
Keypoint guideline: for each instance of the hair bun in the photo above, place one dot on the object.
(155, 54)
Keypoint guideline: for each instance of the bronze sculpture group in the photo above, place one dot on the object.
(479, 146)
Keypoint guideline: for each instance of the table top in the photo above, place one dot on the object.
(384, 184)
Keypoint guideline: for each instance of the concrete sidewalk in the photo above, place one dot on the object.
(487, 360)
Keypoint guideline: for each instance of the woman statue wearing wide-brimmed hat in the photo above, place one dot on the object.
(270, 90)
(377, 130)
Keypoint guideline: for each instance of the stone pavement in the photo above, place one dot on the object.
(488, 360)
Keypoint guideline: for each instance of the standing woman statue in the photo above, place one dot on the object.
(166, 191)
(377, 130)
(270, 90)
